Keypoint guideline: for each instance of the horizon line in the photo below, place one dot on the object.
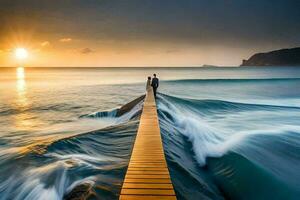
(198, 66)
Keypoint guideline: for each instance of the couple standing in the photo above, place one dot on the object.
(154, 83)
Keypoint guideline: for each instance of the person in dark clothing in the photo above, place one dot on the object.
(154, 84)
(148, 85)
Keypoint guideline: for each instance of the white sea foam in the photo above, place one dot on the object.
(212, 141)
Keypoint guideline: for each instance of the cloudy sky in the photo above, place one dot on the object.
(145, 32)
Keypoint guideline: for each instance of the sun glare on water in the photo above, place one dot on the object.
(21, 53)
(20, 73)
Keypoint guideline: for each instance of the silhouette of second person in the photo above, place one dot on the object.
(154, 84)
(148, 85)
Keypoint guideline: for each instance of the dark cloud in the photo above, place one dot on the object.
(195, 22)
(86, 51)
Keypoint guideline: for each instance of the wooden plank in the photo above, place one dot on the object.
(148, 186)
(147, 169)
(148, 191)
(152, 181)
(149, 162)
(144, 197)
(158, 165)
(147, 175)
(129, 172)
(147, 154)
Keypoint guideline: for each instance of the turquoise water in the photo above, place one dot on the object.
(229, 133)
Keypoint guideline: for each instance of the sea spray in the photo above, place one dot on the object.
(97, 158)
(207, 141)
(232, 146)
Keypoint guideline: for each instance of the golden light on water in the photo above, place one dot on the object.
(21, 100)
(24, 120)
(21, 84)
(20, 73)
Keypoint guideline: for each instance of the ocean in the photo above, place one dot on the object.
(228, 132)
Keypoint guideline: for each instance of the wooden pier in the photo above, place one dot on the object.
(147, 175)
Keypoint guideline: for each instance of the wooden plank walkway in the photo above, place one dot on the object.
(147, 175)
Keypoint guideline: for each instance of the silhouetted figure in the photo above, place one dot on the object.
(148, 85)
(154, 84)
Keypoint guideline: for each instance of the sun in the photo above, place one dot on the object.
(21, 53)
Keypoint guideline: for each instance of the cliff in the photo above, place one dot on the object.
(282, 57)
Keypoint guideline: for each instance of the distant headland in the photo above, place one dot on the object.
(282, 57)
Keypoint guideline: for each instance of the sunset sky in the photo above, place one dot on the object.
(145, 32)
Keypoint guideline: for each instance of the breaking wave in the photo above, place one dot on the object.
(90, 164)
(222, 150)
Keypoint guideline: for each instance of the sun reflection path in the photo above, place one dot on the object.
(20, 73)
(25, 120)
(21, 88)
(22, 103)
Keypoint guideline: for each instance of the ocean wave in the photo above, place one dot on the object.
(189, 116)
(9, 110)
(124, 113)
(99, 156)
(212, 104)
(228, 80)
(87, 163)
(214, 131)
(101, 114)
